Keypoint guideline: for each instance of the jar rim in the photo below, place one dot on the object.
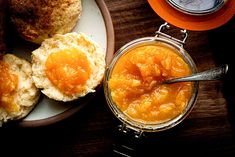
(137, 125)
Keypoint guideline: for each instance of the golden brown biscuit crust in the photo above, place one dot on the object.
(36, 20)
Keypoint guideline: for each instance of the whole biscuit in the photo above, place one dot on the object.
(37, 20)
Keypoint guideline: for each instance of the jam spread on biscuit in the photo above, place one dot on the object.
(68, 70)
(8, 86)
(136, 87)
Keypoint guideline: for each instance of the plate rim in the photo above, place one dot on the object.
(109, 54)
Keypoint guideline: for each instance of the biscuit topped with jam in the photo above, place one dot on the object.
(18, 94)
(68, 66)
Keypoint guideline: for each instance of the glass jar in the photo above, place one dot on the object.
(129, 123)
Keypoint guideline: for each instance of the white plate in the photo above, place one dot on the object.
(96, 22)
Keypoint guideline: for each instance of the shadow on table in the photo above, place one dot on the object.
(222, 42)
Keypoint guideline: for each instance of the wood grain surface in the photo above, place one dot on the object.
(209, 130)
(3, 8)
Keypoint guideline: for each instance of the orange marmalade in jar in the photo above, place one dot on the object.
(136, 88)
(133, 84)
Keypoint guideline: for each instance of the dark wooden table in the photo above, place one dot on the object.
(209, 130)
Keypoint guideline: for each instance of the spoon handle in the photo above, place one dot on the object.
(212, 74)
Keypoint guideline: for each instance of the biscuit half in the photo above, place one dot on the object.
(93, 51)
(26, 95)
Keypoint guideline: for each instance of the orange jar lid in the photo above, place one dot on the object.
(192, 22)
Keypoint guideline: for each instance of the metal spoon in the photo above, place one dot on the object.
(212, 74)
